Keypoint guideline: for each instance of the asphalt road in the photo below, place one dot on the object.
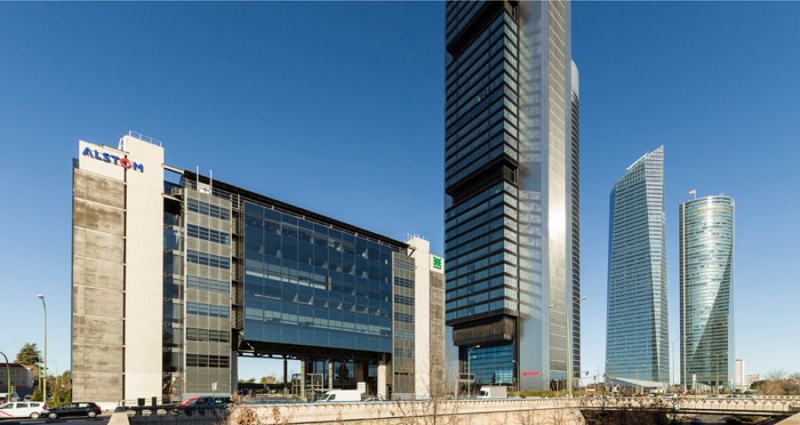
(103, 420)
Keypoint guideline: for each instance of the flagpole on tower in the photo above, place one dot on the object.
(694, 193)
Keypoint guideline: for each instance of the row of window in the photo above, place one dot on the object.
(203, 360)
(403, 317)
(405, 283)
(206, 259)
(206, 284)
(194, 334)
(207, 310)
(205, 208)
(206, 234)
(403, 300)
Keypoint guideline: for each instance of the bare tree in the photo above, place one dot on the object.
(776, 375)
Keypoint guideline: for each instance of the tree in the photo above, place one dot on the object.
(269, 379)
(776, 375)
(29, 354)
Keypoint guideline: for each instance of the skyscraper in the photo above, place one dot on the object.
(706, 289)
(637, 339)
(510, 181)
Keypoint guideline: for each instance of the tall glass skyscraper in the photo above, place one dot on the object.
(637, 339)
(511, 184)
(706, 290)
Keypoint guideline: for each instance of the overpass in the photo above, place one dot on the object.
(760, 406)
(562, 411)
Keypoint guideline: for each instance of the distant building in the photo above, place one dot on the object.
(749, 379)
(706, 251)
(637, 340)
(21, 379)
(739, 376)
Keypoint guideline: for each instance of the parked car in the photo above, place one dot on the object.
(22, 409)
(207, 401)
(74, 409)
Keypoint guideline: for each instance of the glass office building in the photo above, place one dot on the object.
(511, 195)
(706, 247)
(235, 273)
(637, 338)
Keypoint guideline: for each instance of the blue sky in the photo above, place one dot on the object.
(337, 107)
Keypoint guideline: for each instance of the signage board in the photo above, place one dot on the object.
(437, 264)
(113, 158)
(531, 373)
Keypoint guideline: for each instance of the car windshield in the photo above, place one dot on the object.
(7, 406)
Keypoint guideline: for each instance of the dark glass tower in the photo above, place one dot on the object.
(511, 186)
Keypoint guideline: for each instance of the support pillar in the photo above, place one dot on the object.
(303, 380)
(382, 371)
(330, 374)
(285, 375)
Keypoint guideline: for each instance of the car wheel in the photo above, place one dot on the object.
(91, 414)
(52, 416)
(34, 415)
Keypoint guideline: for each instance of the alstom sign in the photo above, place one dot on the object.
(107, 157)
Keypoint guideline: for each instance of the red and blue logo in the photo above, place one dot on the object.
(107, 157)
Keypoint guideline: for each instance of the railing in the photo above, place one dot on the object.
(147, 139)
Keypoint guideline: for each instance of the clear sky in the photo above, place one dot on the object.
(338, 108)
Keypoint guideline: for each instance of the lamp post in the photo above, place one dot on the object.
(8, 376)
(469, 371)
(716, 359)
(672, 373)
(44, 385)
(519, 376)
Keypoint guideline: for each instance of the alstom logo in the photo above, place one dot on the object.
(107, 157)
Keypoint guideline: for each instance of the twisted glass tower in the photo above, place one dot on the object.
(511, 184)
(706, 290)
(637, 341)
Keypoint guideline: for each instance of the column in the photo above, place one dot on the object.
(382, 370)
(330, 374)
(303, 379)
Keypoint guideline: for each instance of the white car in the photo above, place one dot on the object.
(22, 409)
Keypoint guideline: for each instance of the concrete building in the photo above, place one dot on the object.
(511, 165)
(739, 376)
(706, 248)
(637, 339)
(429, 328)
(176, 275)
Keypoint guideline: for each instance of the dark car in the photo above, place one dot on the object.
(73, 409)
(207, 401)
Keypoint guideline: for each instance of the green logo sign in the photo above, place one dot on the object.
(437, 263)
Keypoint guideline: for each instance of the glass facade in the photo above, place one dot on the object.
(309, 284)
(508, 212)
(706, 289)
(637, 339)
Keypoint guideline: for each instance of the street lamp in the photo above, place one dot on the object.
(716, 361)
(569, 350)
(469, 371)
(519, 376)
(44, 385)
(8, 376)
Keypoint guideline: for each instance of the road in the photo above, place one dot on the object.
(103, 420)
